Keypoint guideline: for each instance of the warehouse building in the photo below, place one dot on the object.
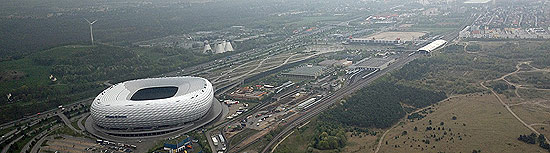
(308, 72)
(374, 63)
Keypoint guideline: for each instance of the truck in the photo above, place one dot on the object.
(215, 141)
(222, 140)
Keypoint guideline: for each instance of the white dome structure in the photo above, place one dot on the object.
(154, 103)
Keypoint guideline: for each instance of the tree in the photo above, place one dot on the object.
(541, 138)
(323, 144)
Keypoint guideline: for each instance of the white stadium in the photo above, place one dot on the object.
(151, 106)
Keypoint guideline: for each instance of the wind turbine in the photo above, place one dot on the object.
(91, 29)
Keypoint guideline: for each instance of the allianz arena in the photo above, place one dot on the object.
(153, 106)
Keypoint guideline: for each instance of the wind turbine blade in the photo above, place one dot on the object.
(87, 20)
(93, 22)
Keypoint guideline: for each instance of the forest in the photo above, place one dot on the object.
(379, 105)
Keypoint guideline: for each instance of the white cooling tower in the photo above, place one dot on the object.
(219, 48)
(207, 48)
(228, 46)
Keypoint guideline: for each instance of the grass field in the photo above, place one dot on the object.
(482, 123)
(302, 139)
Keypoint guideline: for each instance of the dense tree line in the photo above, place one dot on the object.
(379, 104)
(329, 136)
(534, 139)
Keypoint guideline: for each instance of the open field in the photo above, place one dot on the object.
(301, 140)
(481, 124)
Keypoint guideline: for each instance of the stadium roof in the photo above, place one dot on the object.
(151, 89)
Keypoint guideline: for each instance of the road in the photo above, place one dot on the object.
(42, 135)
(327, 101)
(5, 149)
(68, 122)
(45, 113)
(84, 116)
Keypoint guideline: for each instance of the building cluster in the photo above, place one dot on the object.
(248, 93)
(179, 147)
(476, 32)
(526, 21)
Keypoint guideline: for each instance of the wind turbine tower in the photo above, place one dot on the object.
(91, 29)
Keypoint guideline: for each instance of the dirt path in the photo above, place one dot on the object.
(518, 68)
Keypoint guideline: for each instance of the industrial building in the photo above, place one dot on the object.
(307, 104)
(248, 93)
(374, 63)
(432, 46)
(152, 106)
(308, 72)
(373, 41)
